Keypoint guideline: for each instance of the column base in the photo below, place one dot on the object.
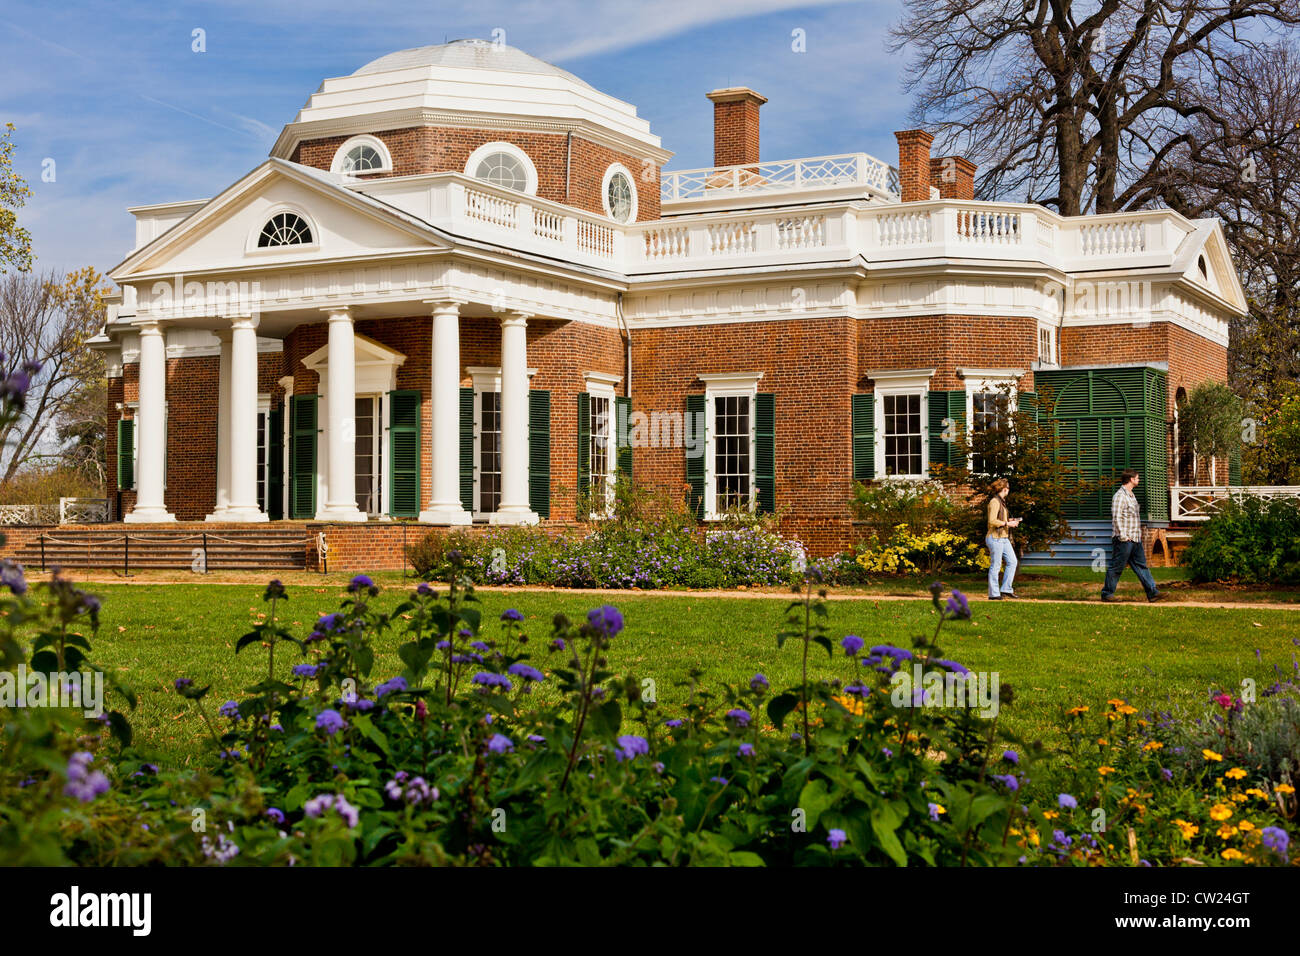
(139, 515)
(341, 513)
(518, 514)
(239, 515)
(446, 514)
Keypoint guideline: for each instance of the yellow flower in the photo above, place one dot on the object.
(1220, 811)
(1256, 792)
(938, 808)
(1112, 715)
(1226, 831)
(1284, 788)
(1236, 773)
(1153, 745)
(1232, 853)
(1245, 825)
(1102, 741)
(1075, 712)
(1115, 701)
(1127, 710)
(1238, 798)
(1105, 770)
(1188, 830)
(1211, 755)
(1050, 814)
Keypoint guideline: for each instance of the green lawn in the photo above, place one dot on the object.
(1053, 654)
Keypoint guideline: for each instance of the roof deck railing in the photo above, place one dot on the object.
(780, 176)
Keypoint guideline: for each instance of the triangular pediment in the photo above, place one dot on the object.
(1206, 263)
(223, 234)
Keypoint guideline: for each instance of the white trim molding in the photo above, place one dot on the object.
(726, 385)
(907, 381)
(613, 170)
(253, 249)
(511, 150)
(364, 139)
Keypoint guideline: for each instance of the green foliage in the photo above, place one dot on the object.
(935, 552)
(15, 241)
(1250, 539)
(1273, 458)
(1211, 418)
(921, 505)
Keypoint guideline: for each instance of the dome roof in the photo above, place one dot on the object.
(471, 54)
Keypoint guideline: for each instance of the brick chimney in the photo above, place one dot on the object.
(914, 164)
(953, 176)
(735, 126)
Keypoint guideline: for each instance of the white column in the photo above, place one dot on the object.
(151, 430)
(444, 498)
(223, 429)
(242, 447)
(341, 421)
(514, 508)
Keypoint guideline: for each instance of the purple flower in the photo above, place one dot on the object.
(480, 646)
(1167, 774)
(83, 783)
(229, 709)
(1066, 802)
(886, 751)
(390, 686)
(674, 723)
(952, 666)
(316, 806)
(836, 838)
(631, 746)
(424, 590)
(1008, 780)
(404, 788)
(745, 750)
(1011, 756)
(329, 622)
(330, 721)
(501, 744)
(275, 816)
(934, 811)
(183, 682)
(740, 716)
(510, 614)
(758, 683)
(888, 650)
(359, 582)
(306, 670)
(605, 619)
(958, 606)
(487, 680)
(852, 644)
(11, 576)
(1276, 839)
(520, 669)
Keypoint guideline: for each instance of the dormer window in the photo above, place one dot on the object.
(285, 229)
(505, 165)
(362, 155)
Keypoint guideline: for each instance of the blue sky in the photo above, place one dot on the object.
(129, 114)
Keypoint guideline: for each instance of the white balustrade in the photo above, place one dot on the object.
(786, 175)
(1202, 502)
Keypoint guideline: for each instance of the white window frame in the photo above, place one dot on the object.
(253, 249)
(1053, 357)
(501, 146)
(378, 439)
(365, 139)
(913, 381)
(599, 385)
(264, 409)
(728, 385)
(135, 444)
(979, 380)
(484, 379)
(610, 173)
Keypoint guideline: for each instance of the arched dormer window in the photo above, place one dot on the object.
(285, 229)
(503, 164)
(361, 155)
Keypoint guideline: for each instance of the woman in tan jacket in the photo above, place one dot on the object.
(998, 540)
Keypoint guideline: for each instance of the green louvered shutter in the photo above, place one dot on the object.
(695, 427)
(622, 413)
(275, 465)
(467, 449)
(584, 444)
(1234, 467)
(539, 452)
(944, 406)
(864, 437)
(125, 454)
(302, 457)
(765, 451)
(404, 453)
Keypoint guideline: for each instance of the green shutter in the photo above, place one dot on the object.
(765, 451)
(695, 465)
(943, 406)
(622, 413)
(275, 465)
(539, 452)
(404, 453)
(1234, 466)
(467, 449)
(864, 437)
(302, 457)
(584, 444)
(125, 454)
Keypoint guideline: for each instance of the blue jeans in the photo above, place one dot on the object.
(1128, 554)
(1001, 552)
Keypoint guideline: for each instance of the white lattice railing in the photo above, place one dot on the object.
(83, 510)
(785, 175)
(1202, 502)
(11, 515)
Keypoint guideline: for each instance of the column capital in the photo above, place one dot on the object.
(445, 304)
(515, 318)
(339, 313)
(245, 321)
(149, 326)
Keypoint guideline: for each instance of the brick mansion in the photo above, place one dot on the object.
(463, 289)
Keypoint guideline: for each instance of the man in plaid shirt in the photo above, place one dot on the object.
(1126, 539)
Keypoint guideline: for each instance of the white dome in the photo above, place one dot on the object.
(471, 54)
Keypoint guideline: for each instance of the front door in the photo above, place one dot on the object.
(369, 455)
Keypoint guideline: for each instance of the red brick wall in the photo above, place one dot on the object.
(953, 176)
(914, 164)
(436, 149)
(735, 126)
(947, 343)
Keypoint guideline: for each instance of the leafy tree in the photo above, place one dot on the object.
(15, 241)
(1273, 458)
(1211, 418)
(1021, 445)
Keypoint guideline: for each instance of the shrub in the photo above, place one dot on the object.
(1251, 540)
(938, 551)
(919, 504)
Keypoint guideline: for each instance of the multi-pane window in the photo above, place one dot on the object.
(1046, 346)
(284, 229)
(601, 453)
(732, 441)
(503, 169)
(262, 452)
(902, 433)
(489, 454)
(618, 197)
(990, 414)
(367, 460)
(362, 158)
